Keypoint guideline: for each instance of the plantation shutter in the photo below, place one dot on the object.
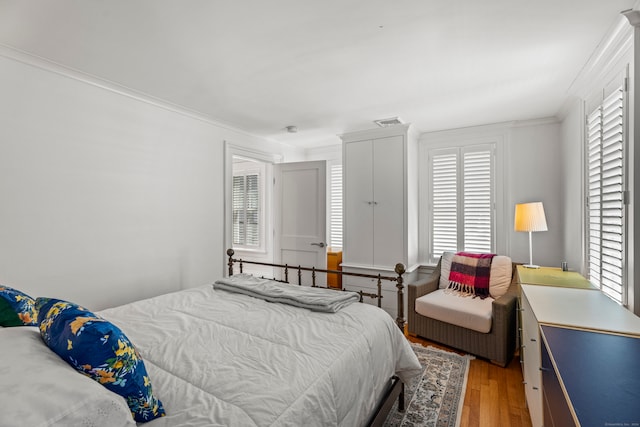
(335, 207)
(252, 209)
(444, 203)
(246, 210)
(605, 195)
(478, 201)
(238, 210)
(462, 200)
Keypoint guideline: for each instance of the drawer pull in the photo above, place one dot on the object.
(535, 388)
(533, 339)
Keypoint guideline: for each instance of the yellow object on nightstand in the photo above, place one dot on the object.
(550, 276)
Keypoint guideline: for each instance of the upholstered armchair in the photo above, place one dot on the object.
(485, 328)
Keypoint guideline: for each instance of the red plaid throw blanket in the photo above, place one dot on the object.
(469, 274)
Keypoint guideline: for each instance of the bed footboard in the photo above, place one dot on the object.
(297, 271)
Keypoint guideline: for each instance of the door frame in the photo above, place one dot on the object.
(231, 150)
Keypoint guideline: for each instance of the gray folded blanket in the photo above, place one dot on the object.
(316, 299)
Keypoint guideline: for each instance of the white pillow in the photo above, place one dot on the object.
(39, 388)
(499, 280)
(445, 268)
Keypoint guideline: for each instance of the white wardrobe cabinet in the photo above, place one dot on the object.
(380, 199)
(374, 197)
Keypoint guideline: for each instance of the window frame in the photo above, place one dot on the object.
(245, 167)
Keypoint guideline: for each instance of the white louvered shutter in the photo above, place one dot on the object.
(605, 196)
(252, 211)
(478, 200)
(246, 210)
(238, 210)
(462, 200)
(335, 207)
(444, 203)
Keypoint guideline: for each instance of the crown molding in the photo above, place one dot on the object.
(490, 130)
(633, 16)
(616, 45)
(35, 61)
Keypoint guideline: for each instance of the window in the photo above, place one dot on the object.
(335, 207)
(605, 222)
(461, 199)
(247, 204)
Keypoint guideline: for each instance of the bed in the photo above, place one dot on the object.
(215, 356)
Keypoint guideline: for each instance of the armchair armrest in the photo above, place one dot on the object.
(508, 301)
(424, 286)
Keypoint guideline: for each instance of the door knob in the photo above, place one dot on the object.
(321, 244)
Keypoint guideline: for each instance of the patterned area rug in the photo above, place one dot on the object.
(435, 398)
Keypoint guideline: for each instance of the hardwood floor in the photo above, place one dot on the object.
(494, 396)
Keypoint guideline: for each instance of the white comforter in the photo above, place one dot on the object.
(219, 358)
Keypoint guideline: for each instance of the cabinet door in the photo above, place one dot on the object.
(556, 409)
(389, 201)
(358, 203)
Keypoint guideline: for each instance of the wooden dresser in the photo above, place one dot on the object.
(568, 325)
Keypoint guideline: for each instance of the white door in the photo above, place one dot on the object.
(300, 217)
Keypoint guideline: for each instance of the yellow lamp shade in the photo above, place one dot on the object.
(530, 217)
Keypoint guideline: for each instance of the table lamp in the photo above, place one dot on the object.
(530, 217)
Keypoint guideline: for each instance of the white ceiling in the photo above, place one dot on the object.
(325, 66)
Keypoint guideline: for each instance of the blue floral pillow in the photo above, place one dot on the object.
(16, 308)
(101, 351)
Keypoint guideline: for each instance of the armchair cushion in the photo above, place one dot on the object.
(501, 274)
(466, 312)
(499, 281)
(445, 269)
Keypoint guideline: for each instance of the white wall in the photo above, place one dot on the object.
(105, 197)
(573, 198)
(535, 175)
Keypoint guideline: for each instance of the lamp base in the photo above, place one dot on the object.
(531, 266)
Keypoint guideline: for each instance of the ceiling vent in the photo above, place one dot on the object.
(383, 123)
